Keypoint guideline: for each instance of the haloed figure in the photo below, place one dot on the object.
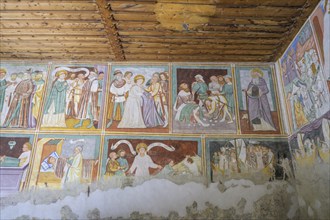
(142, 162)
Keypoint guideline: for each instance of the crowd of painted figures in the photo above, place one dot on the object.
(250, 158)
(20, 97)
(77, 95)
(137, 102)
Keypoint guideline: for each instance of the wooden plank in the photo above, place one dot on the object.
(152, 26)
(225, 3)
(204, 52)
(47, 5)
(150, 18)
(213, 46)
(222, 10)
(198, 57)
(59, 49)
(35, 32)
(204, 35)
(52, 44)
(111, 30)
(51, 38)
(63, 56)
(50, 15)
(39, 24)
(188, 41)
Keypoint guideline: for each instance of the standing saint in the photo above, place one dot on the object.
(258, 105)
(54, 110)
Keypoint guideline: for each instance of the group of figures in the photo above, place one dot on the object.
(214, 101)
(138, 102)
(75, 96)
(241, 156)
(311, 145)
(141, 166)
(20, 97)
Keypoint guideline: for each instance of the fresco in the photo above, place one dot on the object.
(259, 159)
(203, 99)
(320, 21)
(306, 93)
(64, 160)
(75, 94)
(145, 157)
(257, 101)
(21, 90)
(312, 143)
(15, 154)
(138, 99)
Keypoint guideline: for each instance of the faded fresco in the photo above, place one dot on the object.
(310, 149)
(74, 97)
(312, 143)
(258, 159)
(15, 154)
(21, 90)
(257, 100)
(320, 21)
(307, 96)
(146, 157)
(138, 99)
(203, 100)
(63, 160)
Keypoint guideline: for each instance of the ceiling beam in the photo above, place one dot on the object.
(111, 30)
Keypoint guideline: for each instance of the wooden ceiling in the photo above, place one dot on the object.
(149, 30)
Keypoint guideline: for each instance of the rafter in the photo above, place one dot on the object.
(111, 30)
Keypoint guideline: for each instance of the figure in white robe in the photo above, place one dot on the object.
(132, 117)
(24, 159)
(73, 167)
(142, 162)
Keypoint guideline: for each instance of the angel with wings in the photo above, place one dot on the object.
(142, 161)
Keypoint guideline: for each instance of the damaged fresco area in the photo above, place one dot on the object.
(232, 199)
(260, 160)
(311, 152)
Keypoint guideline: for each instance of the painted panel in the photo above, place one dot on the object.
(257, 100)
(260, 160)
(148, 157)
(138, 99)
(21, 91)
(203, 100)
(65, 160)
(320, 21)
(306, 93)
(15, 154)
(75, 94)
